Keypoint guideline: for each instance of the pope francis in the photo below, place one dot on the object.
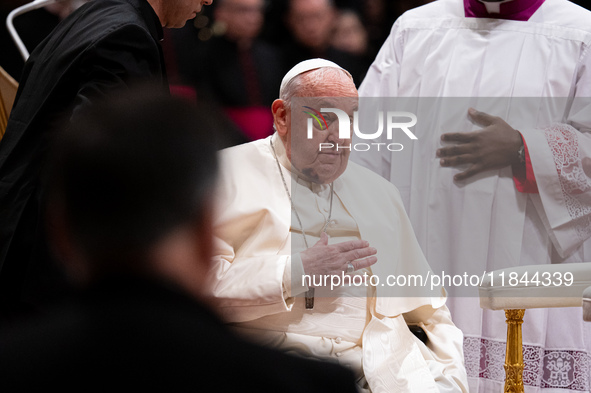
(307, 242)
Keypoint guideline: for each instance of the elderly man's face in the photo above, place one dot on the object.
(312, 163)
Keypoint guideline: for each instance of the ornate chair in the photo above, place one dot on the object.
(536, 286)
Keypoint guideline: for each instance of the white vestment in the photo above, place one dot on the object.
(257, 268)
(536, 75)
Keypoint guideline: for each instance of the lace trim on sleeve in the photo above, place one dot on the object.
(575, 184)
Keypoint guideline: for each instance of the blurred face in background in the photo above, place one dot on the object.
(176, 13)
(241, 19)
(350, 35)
(375, 9)
(311, 22)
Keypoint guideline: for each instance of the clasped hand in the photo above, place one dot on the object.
(323, 259)
(495, 146)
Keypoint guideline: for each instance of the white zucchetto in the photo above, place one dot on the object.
(305, 66)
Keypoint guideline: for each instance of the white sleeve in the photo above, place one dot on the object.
(251, 287)
(251, 274)
(395, 360)
(444, 350)
(560, 156)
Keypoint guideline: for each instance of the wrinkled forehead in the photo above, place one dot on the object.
(329, 89)
(347, 104)
(329, 78)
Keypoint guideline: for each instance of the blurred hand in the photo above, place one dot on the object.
(322, 259)
(493, 147)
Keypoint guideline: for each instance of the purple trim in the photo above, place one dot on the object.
(513, 10)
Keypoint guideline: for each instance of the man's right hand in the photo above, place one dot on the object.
(324, 259)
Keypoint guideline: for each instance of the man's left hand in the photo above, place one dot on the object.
(493, 147)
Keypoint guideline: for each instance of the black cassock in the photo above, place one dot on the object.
(103, 46)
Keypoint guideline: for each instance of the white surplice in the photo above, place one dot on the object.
(257, 274)
(536, 75)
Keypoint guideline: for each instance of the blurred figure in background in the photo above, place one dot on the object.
(378, 17)
(130, 213)
(212, 56)
(241, 73)
(311, 24)
(351, 36)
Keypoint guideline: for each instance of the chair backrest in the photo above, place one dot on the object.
(8, 88)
